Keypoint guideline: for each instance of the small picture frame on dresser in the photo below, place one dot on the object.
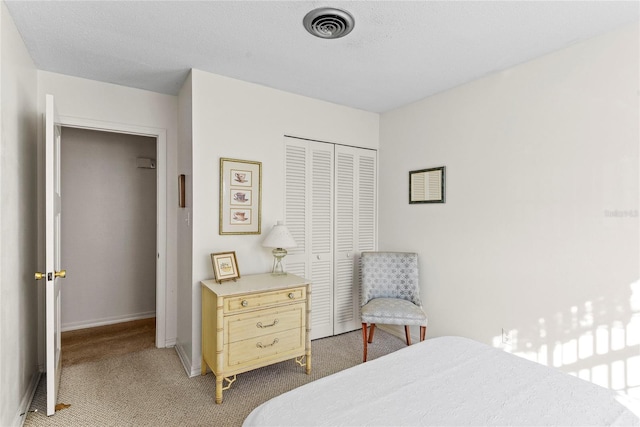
(225, 266)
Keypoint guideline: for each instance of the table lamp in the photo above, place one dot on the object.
(279, 238)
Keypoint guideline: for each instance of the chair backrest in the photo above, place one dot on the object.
(390, 275)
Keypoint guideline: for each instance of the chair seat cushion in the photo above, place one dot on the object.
(393, 311)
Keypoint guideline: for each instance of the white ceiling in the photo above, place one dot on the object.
(398, 52)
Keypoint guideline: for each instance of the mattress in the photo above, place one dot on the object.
(448, 381)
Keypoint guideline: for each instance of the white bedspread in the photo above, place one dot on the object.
(447, 381)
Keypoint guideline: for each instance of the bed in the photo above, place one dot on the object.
(448, 381)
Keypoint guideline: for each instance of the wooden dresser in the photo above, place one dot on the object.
(253, 322)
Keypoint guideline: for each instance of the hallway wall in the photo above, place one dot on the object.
(108, 228)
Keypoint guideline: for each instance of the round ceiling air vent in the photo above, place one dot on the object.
(328, 23)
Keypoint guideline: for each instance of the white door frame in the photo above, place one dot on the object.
(161, 204)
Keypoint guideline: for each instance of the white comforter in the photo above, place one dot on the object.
(448, 381)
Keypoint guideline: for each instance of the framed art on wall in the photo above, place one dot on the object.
(240, 196)
(225, 266)
(427, 186)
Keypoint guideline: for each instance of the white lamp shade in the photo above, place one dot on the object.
(279, 237)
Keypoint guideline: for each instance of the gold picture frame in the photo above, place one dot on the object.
(225, 266)
(240, 196)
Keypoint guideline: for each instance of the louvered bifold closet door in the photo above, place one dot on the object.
(346, 197)
(355, 175)
(367, 225)
(321, 227)
(316, 195)
(295, 216)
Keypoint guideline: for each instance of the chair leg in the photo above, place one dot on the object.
(364, 340)
(373, 328)
(423, 332)
(407, 334)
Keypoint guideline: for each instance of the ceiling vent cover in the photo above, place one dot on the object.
(328, 23)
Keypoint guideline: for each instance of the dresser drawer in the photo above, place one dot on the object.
(253, 301)
(264, 347)
(240, 327)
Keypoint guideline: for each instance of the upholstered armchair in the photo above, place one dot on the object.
(390, 293)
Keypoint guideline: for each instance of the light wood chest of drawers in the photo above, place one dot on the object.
(256, 321)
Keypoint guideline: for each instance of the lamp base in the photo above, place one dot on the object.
(278, 254)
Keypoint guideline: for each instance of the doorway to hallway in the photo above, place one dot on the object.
(109, 207)
(160, 136)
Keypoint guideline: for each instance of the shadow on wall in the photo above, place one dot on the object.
(598, 341)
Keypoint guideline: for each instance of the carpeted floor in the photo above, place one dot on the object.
(150, 387)
(88, 345)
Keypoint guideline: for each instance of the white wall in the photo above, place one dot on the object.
(103, 102)
(108, 228)
(540, 159)
(18, 233)
(185, 231)
(246, 121)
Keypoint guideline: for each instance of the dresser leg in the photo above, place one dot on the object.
(219, 388)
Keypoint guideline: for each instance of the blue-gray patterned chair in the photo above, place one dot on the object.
(390, 293)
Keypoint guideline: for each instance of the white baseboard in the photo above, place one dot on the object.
(27, 398)
(106, 321)
(191, 371)
(398, 331)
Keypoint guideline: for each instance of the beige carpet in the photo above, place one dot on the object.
(150, 387)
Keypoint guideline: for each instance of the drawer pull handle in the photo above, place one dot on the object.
(291, 295)
(275, 341)
(244, 303)
(260, 325)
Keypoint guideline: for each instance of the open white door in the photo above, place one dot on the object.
(52, 242)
